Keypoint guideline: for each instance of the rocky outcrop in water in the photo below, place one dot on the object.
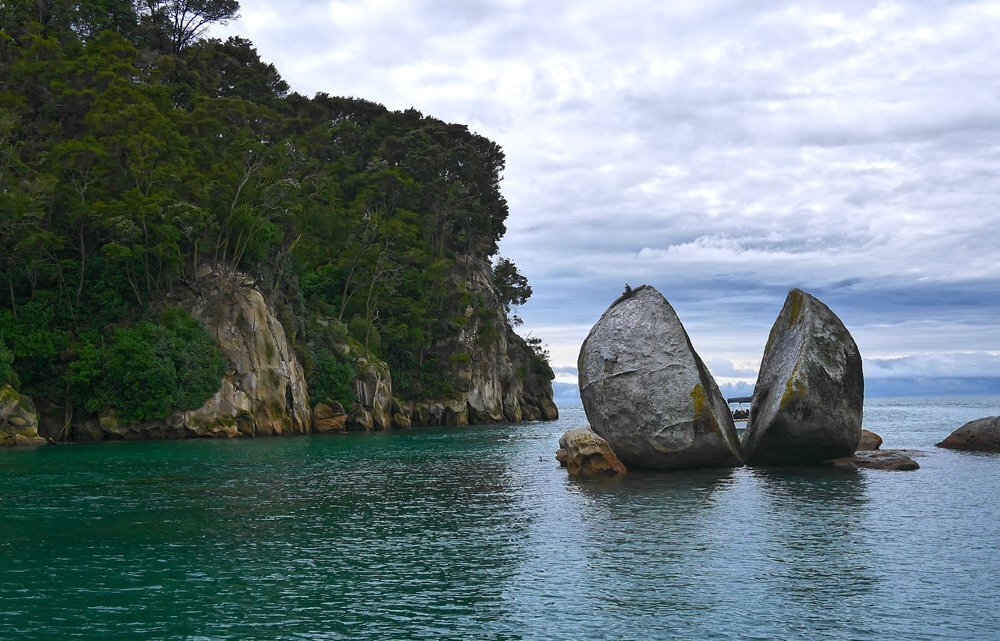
(373, 387)
(18, 419)
(329, 417)
(809, 394)
(888, 460)
(980, 435)
(869, 441)
(584, 454)
(497, 376)
(646, 391)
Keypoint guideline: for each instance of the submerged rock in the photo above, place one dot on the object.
(18, 419)
(980, 435)
(809, 394)
(869, 441)
(585, 454)
(646, 391)
(890, 460)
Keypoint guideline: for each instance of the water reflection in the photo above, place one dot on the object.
(806, 545)
(478, 534)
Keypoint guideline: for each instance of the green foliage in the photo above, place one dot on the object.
(37, 344)
(512, 288)
(133, 152)
(146, 370)
(539, 358)
(331, 379)
(7, 374)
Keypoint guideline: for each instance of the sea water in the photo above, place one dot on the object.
(477, 533)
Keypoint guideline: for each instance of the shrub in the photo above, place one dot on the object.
(36, 343)
(146, 370)
(331, 379)
(7, 374)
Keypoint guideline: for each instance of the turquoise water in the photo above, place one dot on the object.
(476, 533)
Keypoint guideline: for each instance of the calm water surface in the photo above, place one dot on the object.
(476, 533)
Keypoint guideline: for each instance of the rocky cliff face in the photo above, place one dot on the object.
(263, 392)
(497, 375)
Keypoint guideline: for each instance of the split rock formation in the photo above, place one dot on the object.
(646, 391)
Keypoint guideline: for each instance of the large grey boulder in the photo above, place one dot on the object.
(646, 391)
(808, 399)
(980, 435)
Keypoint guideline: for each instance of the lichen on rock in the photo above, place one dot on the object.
(585, 454)
(18, 419)
(648, 393)
(808, 399)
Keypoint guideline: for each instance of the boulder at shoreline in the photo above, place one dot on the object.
(18, 419)
(585, 454)
(980, 435)
(646, 391)
(808, 398)
(869, 441)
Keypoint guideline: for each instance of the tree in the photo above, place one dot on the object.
(512, 288)
(181, 22)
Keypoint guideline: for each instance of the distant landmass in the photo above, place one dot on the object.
(568, 395)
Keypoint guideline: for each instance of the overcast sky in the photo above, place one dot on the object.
(720, 151)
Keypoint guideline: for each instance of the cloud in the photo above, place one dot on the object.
(968, 364)
(720, 151)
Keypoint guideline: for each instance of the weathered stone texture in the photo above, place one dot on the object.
(646, 391)
(808, 399)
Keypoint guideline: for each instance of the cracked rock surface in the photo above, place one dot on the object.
(808, 399)
(646, 391)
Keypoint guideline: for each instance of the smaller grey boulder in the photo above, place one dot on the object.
(809, 394)
(980, 435)
(585, 454)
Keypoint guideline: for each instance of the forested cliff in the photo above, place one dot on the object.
(187, 248)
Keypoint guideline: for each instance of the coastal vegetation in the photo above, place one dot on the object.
(135, 154)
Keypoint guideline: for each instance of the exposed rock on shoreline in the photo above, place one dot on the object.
(808, 399)
(585, 454)
(869, 441)
(646, 391)
(18, 419)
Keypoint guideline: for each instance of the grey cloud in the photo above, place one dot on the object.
(721, 151)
